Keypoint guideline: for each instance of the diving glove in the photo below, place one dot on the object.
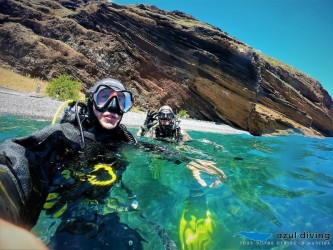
(150, 120)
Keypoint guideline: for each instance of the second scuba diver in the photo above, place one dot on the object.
(196, 224)
(163, 125)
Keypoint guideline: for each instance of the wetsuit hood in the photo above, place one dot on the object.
(110, 82)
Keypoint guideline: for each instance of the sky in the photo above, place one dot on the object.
(296, 32)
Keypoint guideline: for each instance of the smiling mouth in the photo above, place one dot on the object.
(110, 117)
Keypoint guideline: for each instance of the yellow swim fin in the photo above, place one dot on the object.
(196, 225)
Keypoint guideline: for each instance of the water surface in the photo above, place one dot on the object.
(279, 187)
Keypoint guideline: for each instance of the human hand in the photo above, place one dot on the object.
(208, 167)
(150, 119)
(9, 234)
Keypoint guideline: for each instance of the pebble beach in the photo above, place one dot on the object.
(34, 106)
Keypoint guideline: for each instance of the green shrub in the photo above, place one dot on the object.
(64, 88)
(183, 114)
(137, 109)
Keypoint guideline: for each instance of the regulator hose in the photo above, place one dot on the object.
(61, 108)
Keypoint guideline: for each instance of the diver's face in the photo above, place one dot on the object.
(165, 122)
(108, 120)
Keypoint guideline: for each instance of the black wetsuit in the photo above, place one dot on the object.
(28, 164)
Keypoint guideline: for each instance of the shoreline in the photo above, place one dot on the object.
(34, 106)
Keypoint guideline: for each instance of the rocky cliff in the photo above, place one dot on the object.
(164, 58)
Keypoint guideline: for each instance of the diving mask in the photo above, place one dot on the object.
(106, 98)
(166, 115)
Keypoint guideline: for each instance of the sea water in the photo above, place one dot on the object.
(278, 194)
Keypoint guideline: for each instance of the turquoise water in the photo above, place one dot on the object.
(279, 186)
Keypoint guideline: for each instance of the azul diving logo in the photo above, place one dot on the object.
(256, 236)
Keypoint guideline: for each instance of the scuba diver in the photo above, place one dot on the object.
(28, 164)
(163, 125)
(196, 225)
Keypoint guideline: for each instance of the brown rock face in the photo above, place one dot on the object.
(164, 58)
